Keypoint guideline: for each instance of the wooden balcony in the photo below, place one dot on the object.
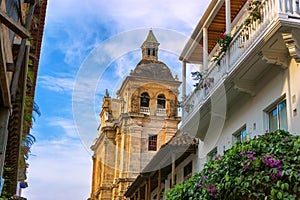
(271, 40)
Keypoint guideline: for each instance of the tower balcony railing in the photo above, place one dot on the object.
(243, 42)
(145, 110)
(161, 112)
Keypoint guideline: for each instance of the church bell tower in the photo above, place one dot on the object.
(135, 124)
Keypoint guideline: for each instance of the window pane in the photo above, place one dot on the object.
(273, 120)
(211, 155)
(282, 116)
(243, 135)
(152, 143)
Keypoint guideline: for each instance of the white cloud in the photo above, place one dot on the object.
(89, 23)
(59, 170)
(67, 125)
(60, 83)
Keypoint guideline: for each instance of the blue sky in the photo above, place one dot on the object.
(89, 46)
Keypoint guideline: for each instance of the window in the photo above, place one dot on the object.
(148, 52)
(145, 99)
(278, 117)
(152, 143)
(188, 170)
(240, 135)
(212, 154)
(161, 101)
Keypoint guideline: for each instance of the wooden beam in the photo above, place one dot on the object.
(13, 25)
(149, 188)
(14, 84)
(139, 194)
(4, 117)
(3, 76)
(146, 191)
(173, 171)
(20, 12)
(159, 184)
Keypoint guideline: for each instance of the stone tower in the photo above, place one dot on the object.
(142, 118)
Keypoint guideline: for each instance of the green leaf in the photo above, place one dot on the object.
(286, 186)
(279, 195)
(273, 192)
(267, 178)
(238, 181)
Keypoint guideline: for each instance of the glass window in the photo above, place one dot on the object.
(240, 135)
(212, 154)
(278, 117)
(152, 143)
(145, 99)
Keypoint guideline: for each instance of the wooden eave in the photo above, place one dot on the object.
(13, 145)
(214, 20)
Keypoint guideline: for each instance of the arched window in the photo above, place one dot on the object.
(145, 99)
(148, 52)
(161, 101)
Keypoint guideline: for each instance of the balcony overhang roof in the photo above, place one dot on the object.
(214, 19)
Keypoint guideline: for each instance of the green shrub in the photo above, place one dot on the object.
(265, 167)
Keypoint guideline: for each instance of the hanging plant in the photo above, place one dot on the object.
(255, 12)
(224, 41)
(202, 83)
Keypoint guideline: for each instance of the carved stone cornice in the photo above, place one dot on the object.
(292, 42)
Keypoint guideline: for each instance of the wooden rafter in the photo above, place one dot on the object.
(13, 25)
(21, 53)
(3, 77)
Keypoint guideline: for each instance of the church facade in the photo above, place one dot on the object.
(135, 124)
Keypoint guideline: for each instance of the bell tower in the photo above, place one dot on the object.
(150, 47)
(135, 124)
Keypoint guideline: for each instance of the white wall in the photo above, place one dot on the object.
(250, 110)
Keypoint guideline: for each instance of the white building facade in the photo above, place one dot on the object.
(253, 86)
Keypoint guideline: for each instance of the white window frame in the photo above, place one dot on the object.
(236, 136)
(210, 155)
(270, 108)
